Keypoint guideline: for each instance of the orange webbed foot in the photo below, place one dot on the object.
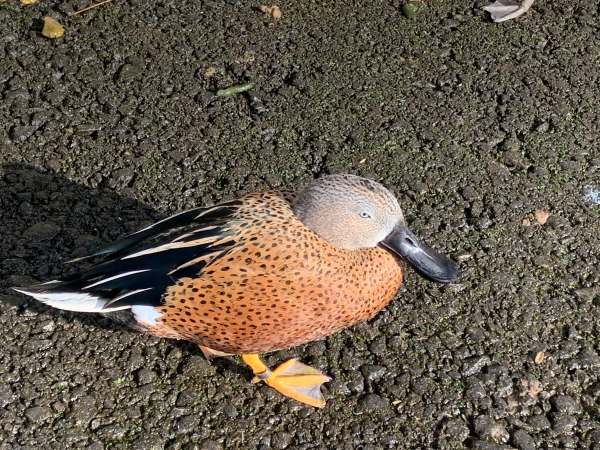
(292, 379)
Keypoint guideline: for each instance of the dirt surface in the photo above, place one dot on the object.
(474, 125)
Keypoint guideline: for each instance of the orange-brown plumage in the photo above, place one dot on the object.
(280, 285)
(266, 272)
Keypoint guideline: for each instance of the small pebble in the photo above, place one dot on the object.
(474, 365)
(372, 402)
(281, 440)
(372, 372)
(564, 424)
(52, 29)
(38, 413)
(487, 428)
(565, 404)
(523, 441)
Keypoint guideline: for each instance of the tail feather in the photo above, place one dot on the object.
(69, 301)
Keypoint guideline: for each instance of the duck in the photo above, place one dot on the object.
(503, 10)
(268, 271)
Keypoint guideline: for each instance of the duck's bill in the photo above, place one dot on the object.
(426, 261)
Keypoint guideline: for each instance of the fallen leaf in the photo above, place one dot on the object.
(273, 11)
(28, 2)
(526, 222)
(531, 387)
(52, 29)
(541, 216)
(539, 357)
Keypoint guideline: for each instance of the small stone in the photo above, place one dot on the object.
(145, 376)
(539, 357)
(281, 440)
(595, 437)
(411, 8)
(565, 404)
(21, 133)
(476, 391)
(378, 346)
(6, 395)
(230, 411)
(372, 402)
(485, 445)
(372, 372)
(564, 424)
(128, 72)
(586, 359)
(469, 194)
(49, 327)
(539, 422)
(38, 413)
(356, 383)
(473, 365)
(457, 430)
(209, 444)
(487, 428)
(122, 178)
(52, 29)
(523, 440)
(273, 11)
(186, 424)
(541, 216)
(587, 294)
(42, 231)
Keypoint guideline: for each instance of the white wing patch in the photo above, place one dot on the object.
(146, 315)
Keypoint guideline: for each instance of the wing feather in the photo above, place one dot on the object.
(137, 269)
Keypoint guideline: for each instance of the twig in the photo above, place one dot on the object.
(87, 8)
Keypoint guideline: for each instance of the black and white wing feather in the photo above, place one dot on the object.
(137, 269)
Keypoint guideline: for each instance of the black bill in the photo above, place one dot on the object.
(426, 261)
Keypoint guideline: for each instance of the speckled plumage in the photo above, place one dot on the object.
(279, 285)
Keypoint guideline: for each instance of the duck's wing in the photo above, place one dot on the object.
(137, 269)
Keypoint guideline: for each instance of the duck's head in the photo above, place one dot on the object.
(351, 212)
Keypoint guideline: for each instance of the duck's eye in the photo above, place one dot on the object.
(365, 215)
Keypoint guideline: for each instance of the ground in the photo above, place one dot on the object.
(474, 125)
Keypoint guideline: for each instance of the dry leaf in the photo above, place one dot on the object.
(52, 29)
(531, 387)
(28, 2)
(272, 11)
(541, 216)
(526, 222)
(539, 357)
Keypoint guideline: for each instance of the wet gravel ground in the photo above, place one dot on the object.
(474, 125)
